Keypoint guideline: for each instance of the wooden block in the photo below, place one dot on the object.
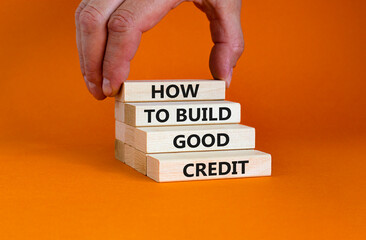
(177, 113)
(119, 111)
(187, 138)
(168, 167)
(124, 152)
(140, 161)
(171, 90)
(119, 150)
(130, 156)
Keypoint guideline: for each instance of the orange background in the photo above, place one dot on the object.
(301, 83)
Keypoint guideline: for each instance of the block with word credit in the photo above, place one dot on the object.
(168, 167)
(183, 130)
(171, 90)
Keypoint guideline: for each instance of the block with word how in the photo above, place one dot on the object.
(177, 113)
(171, 90)
(186, 138)
(188, 166)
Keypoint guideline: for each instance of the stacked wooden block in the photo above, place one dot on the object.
(182, 130)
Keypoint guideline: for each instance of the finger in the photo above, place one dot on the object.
(125, 28)
(78, 34)
(226, 34)
(78, 39)
(93, 34)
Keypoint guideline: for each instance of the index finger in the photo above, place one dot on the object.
(125, 28)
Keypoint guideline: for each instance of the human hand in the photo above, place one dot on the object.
(108, 33)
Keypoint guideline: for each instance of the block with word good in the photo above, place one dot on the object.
(131, 156)
(187, 138)
(168, 167)
(171, 90)
(177, 113)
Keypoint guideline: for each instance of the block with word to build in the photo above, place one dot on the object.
(187, 166)
(177, 113)
(187, 138)
(171, 90)
(131, 156)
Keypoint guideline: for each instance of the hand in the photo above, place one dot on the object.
(108, 33)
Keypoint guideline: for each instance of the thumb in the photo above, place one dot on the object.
(226, 33)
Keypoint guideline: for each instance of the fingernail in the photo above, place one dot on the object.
(92, 88)
(228, 79)
(86, 82)
(107, 88)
